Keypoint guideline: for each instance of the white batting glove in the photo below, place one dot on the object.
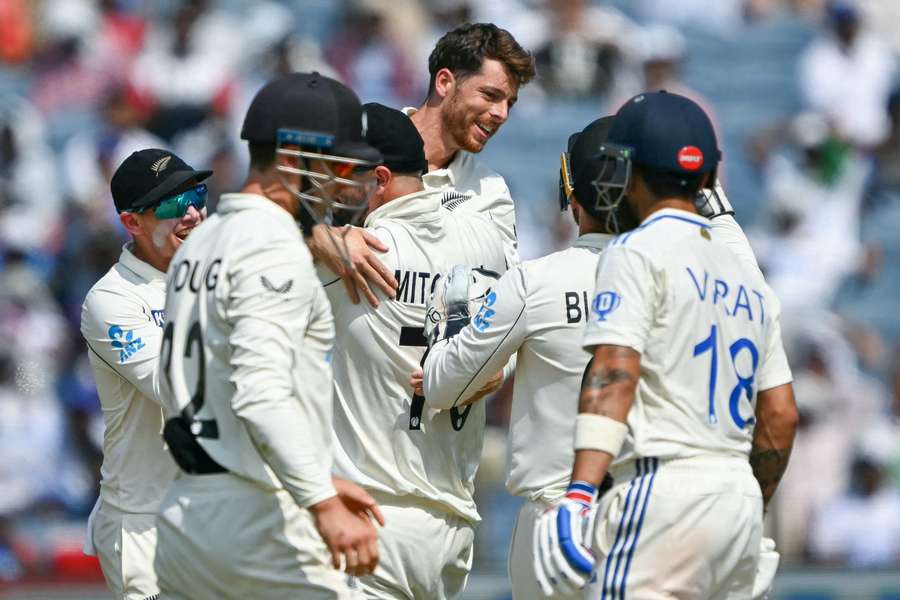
(712, 203)
(765, 569)
(563, 559)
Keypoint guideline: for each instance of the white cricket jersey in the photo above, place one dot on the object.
(537, 311)
(385, 439)
(251, 335)
(707, 327)
(468, 186)
(122, 322)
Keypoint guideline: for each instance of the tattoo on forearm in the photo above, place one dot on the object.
(768, 466)
(601, 378)
(598, 380)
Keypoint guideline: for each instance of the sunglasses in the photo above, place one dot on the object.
(175, 207)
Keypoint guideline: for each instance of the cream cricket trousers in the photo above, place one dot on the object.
(125, 543)
(225, 537)
(684, 529)
(521, 555)
(425, 552)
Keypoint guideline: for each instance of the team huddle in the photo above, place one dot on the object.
(294, 388)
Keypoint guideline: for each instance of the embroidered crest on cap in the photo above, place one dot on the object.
(160, 165)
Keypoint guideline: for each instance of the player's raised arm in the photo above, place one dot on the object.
(714, 204)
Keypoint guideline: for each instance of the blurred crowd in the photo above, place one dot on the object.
(83, 83)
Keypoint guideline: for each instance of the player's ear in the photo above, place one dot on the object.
(444, 83)
(131, 222)
(383, 176)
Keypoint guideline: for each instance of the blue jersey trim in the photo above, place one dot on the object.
(623, 239)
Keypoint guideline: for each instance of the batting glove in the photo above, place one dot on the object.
(563, 559)
(712, 203)
(765, 569)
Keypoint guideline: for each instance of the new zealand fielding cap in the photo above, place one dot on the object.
(393, 134)
(309, 109)
(148, 176)
(666, 132)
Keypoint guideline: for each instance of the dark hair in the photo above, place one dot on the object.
(262, 155)
(464, 49)
(665, 184)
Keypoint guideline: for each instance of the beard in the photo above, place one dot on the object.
(458, 122)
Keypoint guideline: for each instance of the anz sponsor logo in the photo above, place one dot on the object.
(482, 320)
(125, 342)
(605, 303)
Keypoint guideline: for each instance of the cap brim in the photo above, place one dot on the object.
(172, 183)
(359, 150)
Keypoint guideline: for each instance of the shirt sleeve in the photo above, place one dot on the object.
(270, 301)
(774, 370)
(121, 332)
(458, 367)
(625, 295)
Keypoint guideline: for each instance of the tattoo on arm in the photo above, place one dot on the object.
(608, 386)
(768, 466)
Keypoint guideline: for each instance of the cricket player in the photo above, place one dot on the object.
(160, 200)
(537, 311)
(417, 462)
(688, 380)
(246, 374)
(476, 71)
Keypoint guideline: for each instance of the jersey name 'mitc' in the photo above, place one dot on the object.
(734, 298)
(414, 287)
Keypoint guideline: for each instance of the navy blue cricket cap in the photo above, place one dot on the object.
(309, 109)
(393, 134)
(666, 132)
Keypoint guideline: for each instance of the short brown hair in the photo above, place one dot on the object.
(464, 49)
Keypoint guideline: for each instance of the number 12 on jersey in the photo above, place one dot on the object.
(744, 385)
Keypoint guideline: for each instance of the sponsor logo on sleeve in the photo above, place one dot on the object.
(605, 303)
(159, 317)
(482, 320)
(125, 342)
(284, 288)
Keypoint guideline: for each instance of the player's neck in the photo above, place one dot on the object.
(144, 254)
(440, 149)
(676, 203)
(271, 188)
